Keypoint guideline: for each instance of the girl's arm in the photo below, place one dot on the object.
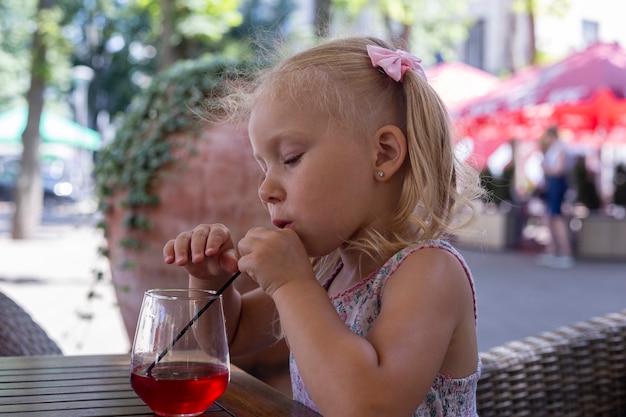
(426, 326)
(207, 254)
(251, 318)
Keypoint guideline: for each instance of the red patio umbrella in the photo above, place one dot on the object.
(457, 82)
(584, 94)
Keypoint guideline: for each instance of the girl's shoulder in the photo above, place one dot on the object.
(398, 258)
(377, 280)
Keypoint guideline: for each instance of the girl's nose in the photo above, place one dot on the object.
(269, 191)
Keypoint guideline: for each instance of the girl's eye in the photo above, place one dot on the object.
(292, 159)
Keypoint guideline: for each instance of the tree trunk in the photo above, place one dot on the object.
(322, 18)
(509, 43)
(167, 52)
(532, 42)
(405, 36)
(29, 187)
(404, 33)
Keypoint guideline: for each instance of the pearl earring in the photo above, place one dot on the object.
(380, 174)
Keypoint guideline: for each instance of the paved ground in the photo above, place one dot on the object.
(517, 298)
(51, 277)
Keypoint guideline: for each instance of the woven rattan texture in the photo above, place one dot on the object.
(20, 335)
(573, 371)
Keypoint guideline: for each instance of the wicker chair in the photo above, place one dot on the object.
(573, 371)
(20, 335)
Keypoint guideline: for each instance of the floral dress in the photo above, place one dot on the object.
(359, 307)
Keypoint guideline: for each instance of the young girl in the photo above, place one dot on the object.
(359, 176)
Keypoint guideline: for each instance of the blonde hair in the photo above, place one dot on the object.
(337, 77)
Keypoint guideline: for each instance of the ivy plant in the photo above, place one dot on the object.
(128, 167)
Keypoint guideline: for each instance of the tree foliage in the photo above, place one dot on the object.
(429, 28)
(120, 39)
(128, 42)
(130, 167)
(19, 20)
(16, 22)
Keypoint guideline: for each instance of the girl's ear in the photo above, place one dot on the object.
(390, 151)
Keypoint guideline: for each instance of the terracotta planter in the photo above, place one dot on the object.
(602, 237)
(216, 181)
(489, 230)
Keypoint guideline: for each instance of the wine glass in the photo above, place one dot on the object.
(180, 362)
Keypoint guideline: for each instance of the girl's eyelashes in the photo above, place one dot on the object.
(291, 160)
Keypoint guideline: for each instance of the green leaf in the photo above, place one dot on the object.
(134, 161)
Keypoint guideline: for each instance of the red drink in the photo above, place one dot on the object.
(180, 388)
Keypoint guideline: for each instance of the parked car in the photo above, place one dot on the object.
(57, 186)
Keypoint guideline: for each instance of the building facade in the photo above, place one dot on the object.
(499, 41)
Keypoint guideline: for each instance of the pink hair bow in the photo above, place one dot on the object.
(395, 64)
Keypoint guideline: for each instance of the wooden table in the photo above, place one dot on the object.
(99, 386)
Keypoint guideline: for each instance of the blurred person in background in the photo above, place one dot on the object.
(558, 251)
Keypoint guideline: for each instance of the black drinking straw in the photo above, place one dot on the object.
(191, 322)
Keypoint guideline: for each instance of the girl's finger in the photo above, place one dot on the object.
(168, 252)
(228, 261)
(218, 236)
(199, 237)
(182, 252)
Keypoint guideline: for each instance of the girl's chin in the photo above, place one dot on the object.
(320, 249)
(318, 252)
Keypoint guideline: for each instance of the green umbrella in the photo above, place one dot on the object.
(53, 129)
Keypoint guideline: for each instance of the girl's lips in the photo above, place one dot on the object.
(281, 224)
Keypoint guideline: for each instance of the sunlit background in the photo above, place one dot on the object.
(506, 69)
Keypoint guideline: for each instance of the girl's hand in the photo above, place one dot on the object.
(273, 258)
(205, 252)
